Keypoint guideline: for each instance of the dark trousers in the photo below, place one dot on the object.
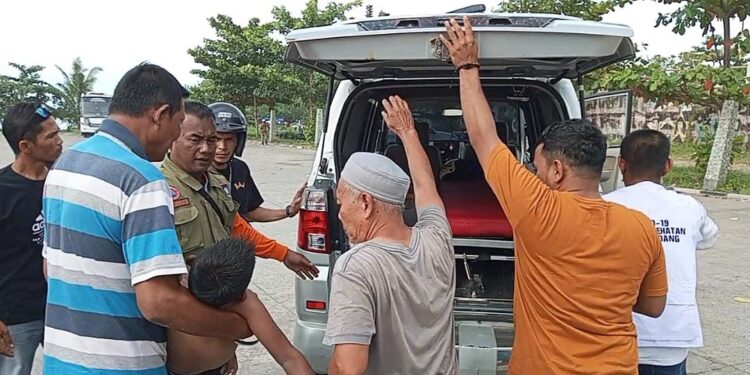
(678, 369)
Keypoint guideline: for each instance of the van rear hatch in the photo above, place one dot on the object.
(524, 45)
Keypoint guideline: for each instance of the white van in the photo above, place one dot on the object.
(530, 64)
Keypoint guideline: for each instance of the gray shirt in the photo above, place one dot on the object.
(398, 300)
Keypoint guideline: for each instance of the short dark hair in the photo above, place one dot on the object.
(21, 122)
(199, 110)
(145, 87)
(220, 274)
(646, 152)
(578, 142)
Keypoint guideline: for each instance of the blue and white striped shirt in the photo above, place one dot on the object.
(109, 226)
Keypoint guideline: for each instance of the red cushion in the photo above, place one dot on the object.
(473, 210)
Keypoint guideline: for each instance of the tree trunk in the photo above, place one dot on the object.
(255, 115)
(727, 43)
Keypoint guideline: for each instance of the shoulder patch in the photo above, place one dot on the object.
(227, 189)
(181, 202)
(174, 192)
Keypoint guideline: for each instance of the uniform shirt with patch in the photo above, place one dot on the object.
(243, 187)
(398, 300)
(683, 226)
(200, 224)
(23, 290)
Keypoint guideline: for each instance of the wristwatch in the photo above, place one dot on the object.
(288, 211)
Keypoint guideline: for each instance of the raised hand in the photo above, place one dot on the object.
(397, 115)
(461, 43)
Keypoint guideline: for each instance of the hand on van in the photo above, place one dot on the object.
(461, 43)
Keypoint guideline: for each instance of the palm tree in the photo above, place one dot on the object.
(79, 81)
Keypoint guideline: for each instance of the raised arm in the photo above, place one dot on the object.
(399, 119)
(519, 191)
(476, 111)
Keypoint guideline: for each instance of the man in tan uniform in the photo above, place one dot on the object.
(204, 211)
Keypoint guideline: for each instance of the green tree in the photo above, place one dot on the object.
(368, 11)
(314, 92)
(79, 81)
(585, 9)
(704, 13)
(689, 78)
(244, 65)
(27, 85)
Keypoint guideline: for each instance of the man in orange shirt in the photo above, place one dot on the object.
(583, 265)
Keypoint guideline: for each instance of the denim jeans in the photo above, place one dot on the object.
(678, 369)
(26, 338)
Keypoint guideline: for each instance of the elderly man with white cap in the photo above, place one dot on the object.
(392, 292)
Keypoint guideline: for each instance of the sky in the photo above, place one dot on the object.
(117, 35)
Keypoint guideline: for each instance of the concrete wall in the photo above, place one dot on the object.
(678, 122)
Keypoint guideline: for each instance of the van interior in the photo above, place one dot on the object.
(483, 236)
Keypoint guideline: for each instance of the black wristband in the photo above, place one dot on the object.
(467, 66)
(288, 211)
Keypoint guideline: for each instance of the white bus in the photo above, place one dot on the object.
(94, 109)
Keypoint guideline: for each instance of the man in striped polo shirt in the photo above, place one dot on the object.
(113, 259)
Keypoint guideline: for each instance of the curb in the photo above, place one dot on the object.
(714, 194)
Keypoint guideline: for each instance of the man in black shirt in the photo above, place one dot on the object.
(231, 129)
(33, 135)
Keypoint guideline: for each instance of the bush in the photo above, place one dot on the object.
(701, 150)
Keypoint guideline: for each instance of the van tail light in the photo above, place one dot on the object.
(315, 305)
(312, 233)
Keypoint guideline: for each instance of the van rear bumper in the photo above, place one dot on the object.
(308, 338)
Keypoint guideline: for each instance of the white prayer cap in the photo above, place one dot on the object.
(376, 175)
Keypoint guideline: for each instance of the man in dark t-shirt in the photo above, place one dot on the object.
(231, 129)
(33, 135)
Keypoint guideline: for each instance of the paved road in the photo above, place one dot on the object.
(723, 270)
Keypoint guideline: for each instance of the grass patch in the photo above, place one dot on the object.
(738, 182)
(685, 150)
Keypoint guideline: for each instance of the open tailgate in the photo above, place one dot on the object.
(524, 45)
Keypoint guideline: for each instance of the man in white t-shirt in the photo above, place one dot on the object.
(684, 227)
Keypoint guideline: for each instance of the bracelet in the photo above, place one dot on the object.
(467, 66)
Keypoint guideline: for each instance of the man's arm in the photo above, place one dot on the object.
(164, 301)
(264, 246)
(265, 215)
(6, 342)
(268, 248)
(269, 334)
(652, 297)
(400, 120)
(154, 257)
(519, 191)
(476, 111)
(709, 231)
(351, 318)
(349, 359)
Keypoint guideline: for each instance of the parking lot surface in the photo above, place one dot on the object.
(723, 271)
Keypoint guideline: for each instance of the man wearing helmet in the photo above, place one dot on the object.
(231, 129)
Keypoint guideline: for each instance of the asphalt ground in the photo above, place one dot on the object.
(723, 270)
